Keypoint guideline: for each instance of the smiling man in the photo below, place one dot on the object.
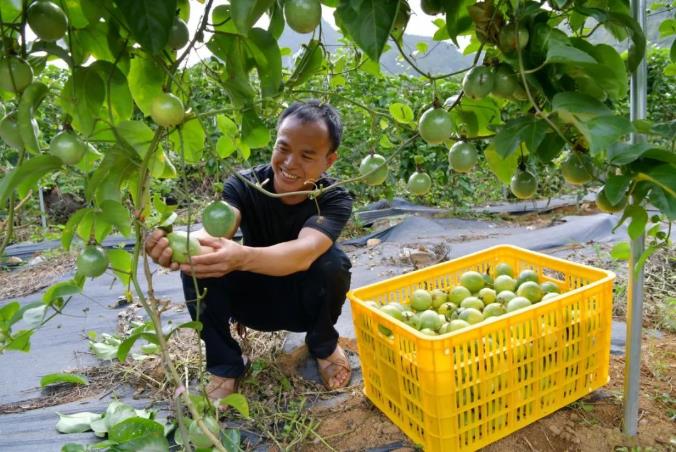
(288, 274)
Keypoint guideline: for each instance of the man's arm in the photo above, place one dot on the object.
(277, 260)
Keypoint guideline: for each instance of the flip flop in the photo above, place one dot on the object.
(335, 365)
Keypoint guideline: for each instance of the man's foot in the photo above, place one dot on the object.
(335, 370)
(219, 387)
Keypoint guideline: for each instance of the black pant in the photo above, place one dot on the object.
(308, 301)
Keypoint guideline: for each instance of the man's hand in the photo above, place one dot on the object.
(226, 257)
(157, 247)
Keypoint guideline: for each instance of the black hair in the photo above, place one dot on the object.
(314, 110)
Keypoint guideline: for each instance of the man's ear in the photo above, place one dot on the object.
(331, 159)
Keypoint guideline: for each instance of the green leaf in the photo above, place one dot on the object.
(193, 136)
(71, 226)
(225, 146)
(51, 379)
(74, 447)
(31, 99)
(663, 176)
(639, 218)
(61, 289)
(308, 62)
(7, 313)
(526, 129)
(126, 345)
(277, 23)
(616, 187)
(401, 113)
(638, 48)
(227, 126)
(672, 52)
(116, 214)
(147, 443)
(117, 90)
(195, 325)
(232, 50)
(149, 21)
(621, 251)
(367, 23)
(664, 202)
(645, 255)
(10, 11)
(572, 106)
(507, 139)
(238, 402)
(245, 13)
(661, 155)
(34, 317)
(76, 17)
(231, 438)
(145, 81)
(76, 422)
(457, 18)
(269, 64)
(603, 131)
(92, 41)
(135, 134)
(120, 263)
(244, 150)
(25, 177)
(118, 412)
(421, 47)
(609, 73)
(667, 28)
(104, 351)
(20, 341)
(82, 97)
(503, 168)
(255, 133)
(550, 147)
(620, 153)
(560, 51)
(442, 32)
(478, 117)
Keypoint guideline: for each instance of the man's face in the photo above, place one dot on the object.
(301, 155)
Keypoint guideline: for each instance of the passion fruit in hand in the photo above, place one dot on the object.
(219, 219)
(183, 247)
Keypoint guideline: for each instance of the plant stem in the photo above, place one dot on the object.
(316, 192)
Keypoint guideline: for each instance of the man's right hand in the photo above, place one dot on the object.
(157, 247)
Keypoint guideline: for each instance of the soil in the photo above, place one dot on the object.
(591, 424)
(25, 281)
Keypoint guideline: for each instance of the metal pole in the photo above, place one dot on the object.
(632, 368)
(43, 212)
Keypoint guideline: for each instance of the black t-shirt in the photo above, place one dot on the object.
(267, 221)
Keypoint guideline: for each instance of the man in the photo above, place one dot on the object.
(288, 274)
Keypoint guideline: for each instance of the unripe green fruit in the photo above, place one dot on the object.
(47, 20)
(68, 147)
(92, 261)
(15, 73)
(167, 110)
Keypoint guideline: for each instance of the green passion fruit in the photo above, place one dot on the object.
(303, 16)
(182, 246)
(167, 110)
(219, 219)
(435, 126)
(92, 261)
(375, 165)
(47, 20)
(462, 156)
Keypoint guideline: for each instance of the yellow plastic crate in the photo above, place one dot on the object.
(469, 388)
